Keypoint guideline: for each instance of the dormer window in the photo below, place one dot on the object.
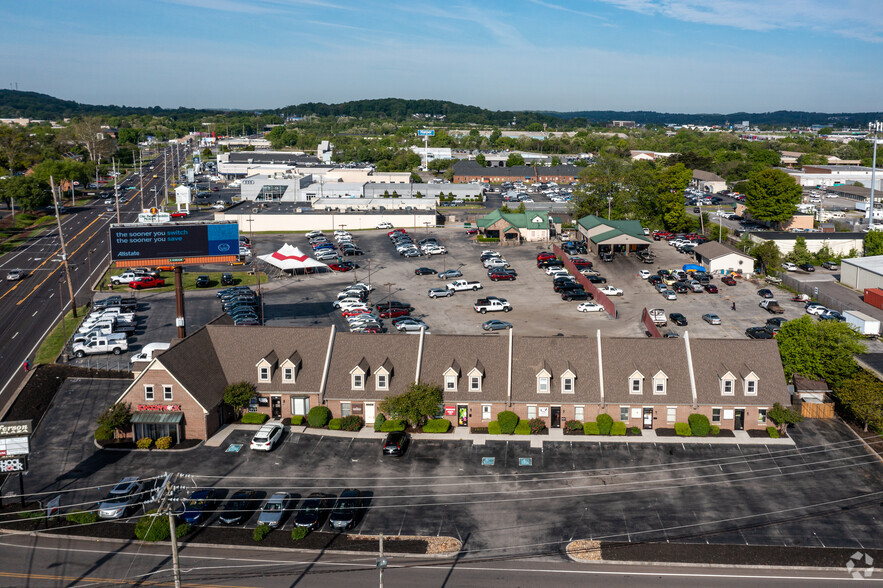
(290, 367)
(543, 378)
(475, 376)
(660, 383)
(358, 381)
(382, 382)
(358, 373)
(266, 366)
(382, 375)
(751, 384)
(451, 383)
(567, 382)
(264, 374)
(636, 383)
(451, 375)
(728, 384)
(288, 374)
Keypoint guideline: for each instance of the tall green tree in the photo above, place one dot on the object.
(238, 395)
(597, 183)
(772, 196)
(783, 417)
(116, 417)
(420, 401)
(28, 192)
(671, 183)
(862, 395)
(819, 349)
(514, 159)
(800, 254)
(480, 159)
(768, 256)
(873, 243)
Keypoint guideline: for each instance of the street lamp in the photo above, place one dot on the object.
(609, 206)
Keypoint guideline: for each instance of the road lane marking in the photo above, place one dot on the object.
(35, 313)
(132, 582)
(16, 335)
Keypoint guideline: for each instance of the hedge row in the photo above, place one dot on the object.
(437, 426)
(254, 418)
(391, 425)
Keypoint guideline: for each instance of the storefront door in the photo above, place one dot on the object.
(462, 415)
(556, 417)
(276, 407)
(648, 418)
(369, 413)
(739, 423)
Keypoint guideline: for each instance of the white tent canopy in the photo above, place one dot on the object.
(291, 258)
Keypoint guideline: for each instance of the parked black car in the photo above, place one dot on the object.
(807, 267)
(678, 319)
(597, 279)
(226, 279)
(424, 271)
(765, 293)
(312, 511)
(346, 510)
(202, 281)
(758, 333)
(576, 294)
(395, 444)
(239, 507)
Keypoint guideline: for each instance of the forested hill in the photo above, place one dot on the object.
(15, 103)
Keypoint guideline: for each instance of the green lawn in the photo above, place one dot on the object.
(239, 279)
(51, 346)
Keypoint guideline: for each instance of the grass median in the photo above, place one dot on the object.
(52, 345)
(189, 280)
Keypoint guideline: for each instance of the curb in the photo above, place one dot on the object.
(184, 544)
(675, 564)
(197, 446)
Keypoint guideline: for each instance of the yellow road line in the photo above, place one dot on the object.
(132, 582)
(48, 259)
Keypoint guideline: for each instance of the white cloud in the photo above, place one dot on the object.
(859, 19)
(566, 9)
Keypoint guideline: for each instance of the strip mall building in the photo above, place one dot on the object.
(649, 383)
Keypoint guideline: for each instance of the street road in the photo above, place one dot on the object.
(55, 561)
(31, 307)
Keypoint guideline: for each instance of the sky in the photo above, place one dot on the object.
(687, 56)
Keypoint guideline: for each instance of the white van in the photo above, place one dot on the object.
(149, 350)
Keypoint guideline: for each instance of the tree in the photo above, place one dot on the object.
(819, 349)
(873, 243)
(117, 417)
(858, 184)
(495, 137)
(783, 417)
(514, 159)
(129, 136)
(800, 254)
(421, 401)
(598, 182)
(862, 394)
(772, 196)
(416, 179)
(89, 132)
(28, 192)
(768, 256)
(238, 395)
(207, 153)
(556, 160)
(521, 208)
(15, 143)
(812, 159)
(65, 169)
(480, 159)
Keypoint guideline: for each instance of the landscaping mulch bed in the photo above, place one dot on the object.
(630, 433)
(420, 430)
(870, 437)
(478, 430)
(185, 444)
(761, 434)
(701, 553)
(666, 433)
(579, 432)
(725, 433)
(37, 395)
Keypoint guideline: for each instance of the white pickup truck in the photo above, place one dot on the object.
(460, 285)
(100, 345)
(125, 278)
(484, 305)
(657, 315)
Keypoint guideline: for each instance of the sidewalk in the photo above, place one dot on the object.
(536, 441)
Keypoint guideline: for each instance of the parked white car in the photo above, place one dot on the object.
(644, 274)
(384, 226)
(789, 266)
(590, 307)
(495, 262)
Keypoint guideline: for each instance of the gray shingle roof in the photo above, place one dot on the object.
(489, 352)
(623, 356)
(556, 355)
(712, 358)
(705, 176)
(713, 250)
(351, 349)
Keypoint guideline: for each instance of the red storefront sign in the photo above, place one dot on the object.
(159, 407)
(450, 410)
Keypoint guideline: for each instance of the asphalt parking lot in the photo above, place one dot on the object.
(824, 492)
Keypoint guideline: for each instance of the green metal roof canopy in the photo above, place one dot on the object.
(157, 418)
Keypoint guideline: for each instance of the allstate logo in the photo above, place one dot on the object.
(224, 247)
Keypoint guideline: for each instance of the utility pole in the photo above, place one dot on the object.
(67, 269)
(141, 176)
(381, 561)
(116, 190)
(876, 126)
(165, 176)
(63, 322)
(167, 492)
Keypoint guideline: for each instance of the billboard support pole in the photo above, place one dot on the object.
(67, 269)
(21, 488)
(179, 301)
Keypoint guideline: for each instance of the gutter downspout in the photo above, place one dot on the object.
(509, 379)
(690, 369)
(601, 371)
(327, 365)
(419, 355)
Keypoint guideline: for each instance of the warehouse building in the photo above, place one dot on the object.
(862, 272)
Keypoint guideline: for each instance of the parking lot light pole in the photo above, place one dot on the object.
(875, 127)
(609, 206)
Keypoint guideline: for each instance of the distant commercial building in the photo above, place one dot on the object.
(471, 171)
(708, 182)
(516, 226)
(827, 176)
(601, 234)
(862, 272)
(429, 154)
(718, 258)
(838, 243)
(329, 214)
(238, 164)
(629, 124)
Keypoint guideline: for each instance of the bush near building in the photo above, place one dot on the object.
(618, 428)
(682, 429)
(699, 425)
(318, 416)
(493, 428)
(437, 426)
(508, 421)
(254, 418)
(605, 422)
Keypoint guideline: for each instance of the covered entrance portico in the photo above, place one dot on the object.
(154, 425)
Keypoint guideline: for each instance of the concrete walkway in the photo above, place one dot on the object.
(536, 441)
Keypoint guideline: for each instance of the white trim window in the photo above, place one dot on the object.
(264, 373)
(671, 414)
(485, 412)
(346, 409)
(751, 385)
(624, 413)
(542, 384)
(451, 383)
(636, 383)
(475, 383)
(382, 382)
(716, 416)
(288, 374)
(567, 380)
(579, 413)
(358, 381)
(728, 384)
(531, 411)
(148, 393)
(761, 416)
(660, 383)
(167, 393)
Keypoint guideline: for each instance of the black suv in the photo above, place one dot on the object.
(575, 294)
(226, 279)
(202, 281)
(678, 319)
(597, 279)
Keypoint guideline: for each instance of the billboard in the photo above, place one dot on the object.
(131, 242)
(425, 133)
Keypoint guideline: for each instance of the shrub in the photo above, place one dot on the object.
(163, 442)
(351, 423)
(605, 421)
(297, 420)
(591, 428)
(773, 432)
(618, 428)
(699, 425)
(392, 425)
(298, 533)
(154, 527)
(522, 428)
(334, 424)
(493, 428)
(437, 426)
(103, 433)
(378, 422)
(682, 429)
(254, 418)
(319, 416)
(260, 532)
(573, 427)
(714, 430)
(81, 517)
(636, 431)
(144, 443)
(537, 426)
(508, 421)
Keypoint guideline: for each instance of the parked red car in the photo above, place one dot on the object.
(711, 288)
(729, 280)
(178, 214)
(471, 231)
(344, 266)
(394, 312)
(147, 282)
(355, 312)
(545, 255)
